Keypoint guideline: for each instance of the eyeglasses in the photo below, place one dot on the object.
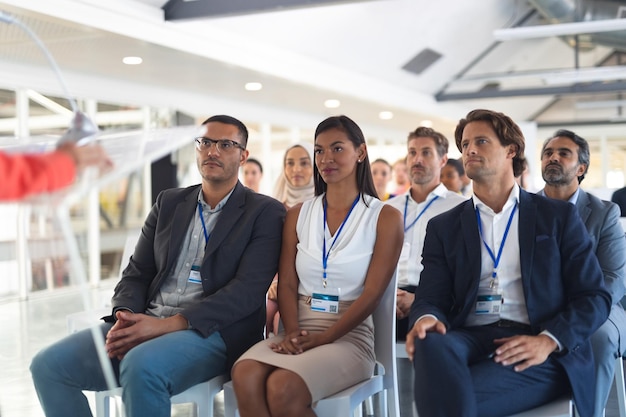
(222, 145)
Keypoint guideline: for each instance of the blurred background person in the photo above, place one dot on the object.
(400, 177)
(452, 174)
(294, 185)
(381, 173)
(25, 174)
(252, 174)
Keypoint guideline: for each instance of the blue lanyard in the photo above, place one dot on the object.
(496, 261)
(406, 206)
(325, 254)
(206, 235)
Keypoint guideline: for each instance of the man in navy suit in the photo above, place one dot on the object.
(510, 292)
(192, 298)
(564, 163)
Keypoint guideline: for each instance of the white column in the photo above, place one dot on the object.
(22, 113)
(93, 217)
(266, 157)
(604, 155)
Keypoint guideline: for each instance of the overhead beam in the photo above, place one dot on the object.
(196, 9)
(562, 29)
(536, 91)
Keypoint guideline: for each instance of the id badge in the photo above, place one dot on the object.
(194, 275)
(406, 252)
(325, 300)
(488, 302)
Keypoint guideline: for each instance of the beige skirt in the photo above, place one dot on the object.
(325, 369)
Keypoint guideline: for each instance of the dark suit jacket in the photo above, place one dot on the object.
(239, 263)
(619, 198)
(561, 279)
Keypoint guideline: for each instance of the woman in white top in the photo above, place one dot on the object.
(339, 253)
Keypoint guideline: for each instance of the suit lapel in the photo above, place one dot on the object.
(526, 231)
(473, 245)
(582, 204)
(183, 213)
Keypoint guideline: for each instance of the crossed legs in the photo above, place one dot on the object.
(267, 391)
(455, 378)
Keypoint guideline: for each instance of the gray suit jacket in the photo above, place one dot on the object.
(601, 219)
(239, 263)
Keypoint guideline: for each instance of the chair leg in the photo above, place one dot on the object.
(619, 387)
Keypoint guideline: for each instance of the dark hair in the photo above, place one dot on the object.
(506, 129)
(583, 148)
(364, 180)
(381, 160)
(456, 164)
(441, 142)
(256, 162)
(229, 120)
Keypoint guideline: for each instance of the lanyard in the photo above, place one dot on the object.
(206, 235)
(324, 252)
(496, 261)
(406, 207)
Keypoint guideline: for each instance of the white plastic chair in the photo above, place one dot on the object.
(383, 381)
(202, 395)
(619, 387)
(562, 407)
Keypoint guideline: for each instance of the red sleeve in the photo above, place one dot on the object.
(23, 174)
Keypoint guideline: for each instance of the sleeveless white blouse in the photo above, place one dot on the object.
(349, 257)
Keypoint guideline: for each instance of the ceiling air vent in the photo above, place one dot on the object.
(421, 61)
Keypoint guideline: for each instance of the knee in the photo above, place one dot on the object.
(136, 367)
(247, 377)
(287, 394)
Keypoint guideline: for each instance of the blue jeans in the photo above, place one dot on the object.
(150, 373)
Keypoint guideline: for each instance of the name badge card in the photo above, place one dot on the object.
(325, 300)
(194, 275)
(488, 302)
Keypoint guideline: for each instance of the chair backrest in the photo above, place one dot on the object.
(129, 249)
(385, 342)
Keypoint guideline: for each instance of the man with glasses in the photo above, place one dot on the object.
(192, 298)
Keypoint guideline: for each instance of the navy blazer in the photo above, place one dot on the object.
(239, 263)
(561, 279)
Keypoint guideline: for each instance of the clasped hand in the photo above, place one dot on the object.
(130, 330)
(297, 342)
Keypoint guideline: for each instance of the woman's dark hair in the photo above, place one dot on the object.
(454, 163)
(364, 180)
(256, 162)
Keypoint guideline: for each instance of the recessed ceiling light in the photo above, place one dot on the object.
(385, 115)
(254, 86)
(132, 60)
(426, 123)
(332, 103)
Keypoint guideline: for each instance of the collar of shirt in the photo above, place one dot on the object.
(573, 199)
(220, 205)
(440, 191)
(513, 198)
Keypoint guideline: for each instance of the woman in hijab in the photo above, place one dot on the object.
(293, 186)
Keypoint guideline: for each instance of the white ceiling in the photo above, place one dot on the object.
(353, 52)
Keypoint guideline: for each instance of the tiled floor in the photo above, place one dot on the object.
(30, 325)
